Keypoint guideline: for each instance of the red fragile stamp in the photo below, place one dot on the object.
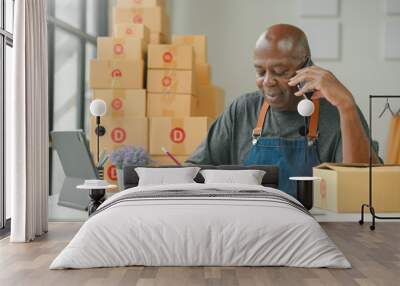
(116, 73)
(116, 104)
(137, 19)
(118, 135)
(112, 172)
(177, 135)
(166, 81)
(118, 49)
(168, 57)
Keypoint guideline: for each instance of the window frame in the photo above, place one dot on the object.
(81, 33)
(6, 39)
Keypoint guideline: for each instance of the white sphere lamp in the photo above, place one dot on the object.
(305, 107)
(98, 107)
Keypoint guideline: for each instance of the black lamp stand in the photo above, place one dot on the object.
(97, 196)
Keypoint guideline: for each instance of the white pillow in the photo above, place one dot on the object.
(248, 177)
(165, 176)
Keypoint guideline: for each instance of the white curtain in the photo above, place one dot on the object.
(27, 123)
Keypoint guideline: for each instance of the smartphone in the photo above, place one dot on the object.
(307, 63)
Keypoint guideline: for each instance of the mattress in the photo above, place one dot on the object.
(201, 225)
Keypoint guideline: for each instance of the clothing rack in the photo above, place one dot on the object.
(370, 205)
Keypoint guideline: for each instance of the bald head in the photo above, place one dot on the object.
(285, 39)
(280, 51)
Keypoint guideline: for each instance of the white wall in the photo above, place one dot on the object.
(232, 27)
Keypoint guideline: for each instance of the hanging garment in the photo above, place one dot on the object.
(393, 144)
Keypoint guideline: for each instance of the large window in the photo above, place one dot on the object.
(73, 26)
(6, 43)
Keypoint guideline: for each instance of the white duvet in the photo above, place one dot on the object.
(200, 231)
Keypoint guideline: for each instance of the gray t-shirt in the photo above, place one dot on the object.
(230, 136)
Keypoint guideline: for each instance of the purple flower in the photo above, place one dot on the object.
(129, 155)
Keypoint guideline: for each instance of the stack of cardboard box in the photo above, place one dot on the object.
(117, 77)
(151, 13)
(210, 97)
(180, 103)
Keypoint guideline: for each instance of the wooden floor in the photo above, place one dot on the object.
(375, 257)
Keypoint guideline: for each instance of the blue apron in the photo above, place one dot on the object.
(293, 156)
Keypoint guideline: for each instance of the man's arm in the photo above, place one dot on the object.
(355, 142)
(324, 84)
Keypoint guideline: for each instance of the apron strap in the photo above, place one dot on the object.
(312, 130)
(261, 119)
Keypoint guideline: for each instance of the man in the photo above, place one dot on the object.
(264, 127)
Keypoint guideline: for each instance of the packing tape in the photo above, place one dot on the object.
(161, 105)
(170, 107)
(118, 114)
(167, 112)
(168, 99)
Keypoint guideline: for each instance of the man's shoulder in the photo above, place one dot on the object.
(327, 109)
(250, 100)
(254, 96)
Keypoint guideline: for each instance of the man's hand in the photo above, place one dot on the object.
(324, 85)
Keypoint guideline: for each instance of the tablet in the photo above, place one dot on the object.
(78, 166)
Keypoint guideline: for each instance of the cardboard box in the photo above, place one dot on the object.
(116, 74)
(113, 48)
(203, 74)
(171, 105)
(163, 160)
(211, 101)
(180, 136)
(344, 188)
(140, 3)
(170, 57)
(198, 42)
(170, 81)
(158, 38)
(139, 31)
(153, 17)
(127, 130)
(123, 102)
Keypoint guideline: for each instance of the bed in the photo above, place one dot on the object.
(198, 224)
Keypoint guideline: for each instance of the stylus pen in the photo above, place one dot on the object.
(102, 154)
(171, 156)
(103, 160)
